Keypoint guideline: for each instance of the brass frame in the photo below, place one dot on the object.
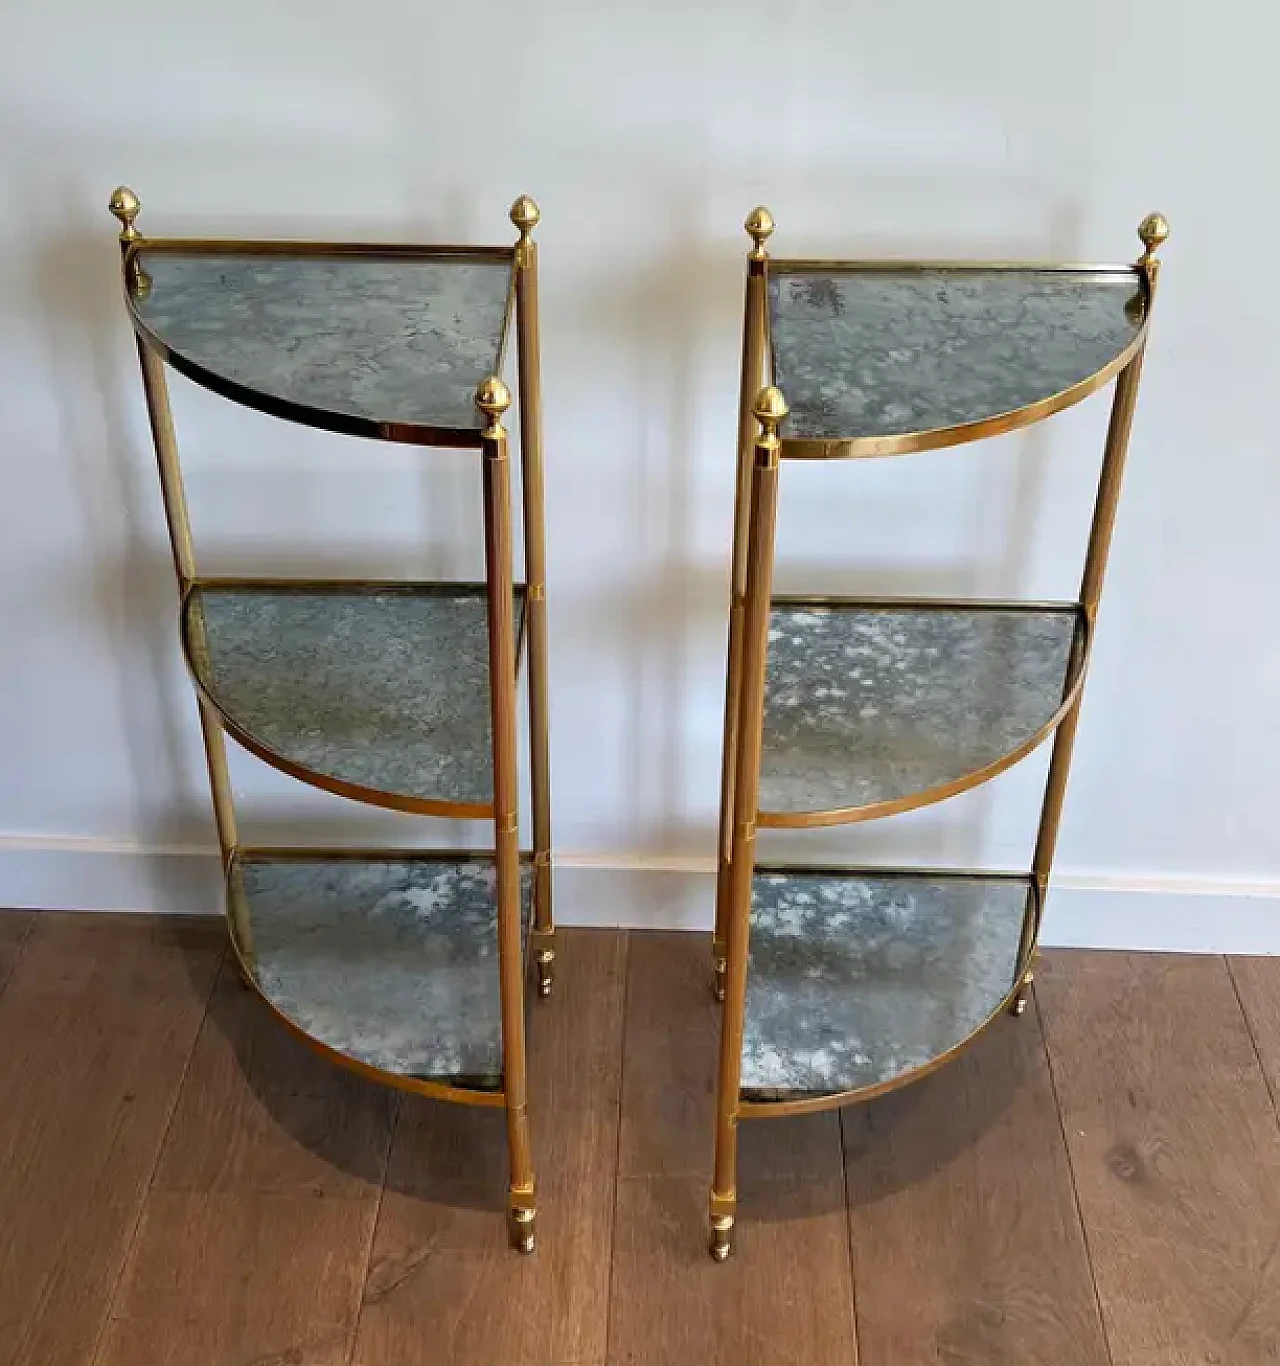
(760, 453)
(489, 439)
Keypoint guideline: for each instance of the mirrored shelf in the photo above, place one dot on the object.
(857, 979)
(886, 357)
(874, 708)
(389, 961)
(373, 341)
(376, 691)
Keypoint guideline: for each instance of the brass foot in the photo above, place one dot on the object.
(544, 960)
(721, 1236)
(718, 970)
(523, 1230)
(1018, 1007)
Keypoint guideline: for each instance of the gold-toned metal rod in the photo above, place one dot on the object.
(1153, 231)
(493, 399)
(759, 225)
(174, 498)
(526, 215)
(769, 410)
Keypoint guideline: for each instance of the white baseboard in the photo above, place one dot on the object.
(1138, 913)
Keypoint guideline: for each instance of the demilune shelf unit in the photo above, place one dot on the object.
(407, 966)
(839, 984)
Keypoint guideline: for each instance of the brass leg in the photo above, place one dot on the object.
(493, 399)
(525, 216)
(770, 410)
(759, 225)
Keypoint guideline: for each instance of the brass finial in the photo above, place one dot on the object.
(526, 216)
(1154, 232)
(124, 205)
(493, 398)
(770, 408)
(760, 225)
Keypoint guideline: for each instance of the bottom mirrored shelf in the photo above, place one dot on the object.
(858, 979)
(390, 960)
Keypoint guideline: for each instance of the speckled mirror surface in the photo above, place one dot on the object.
(386, 689)
(382, 340)
(872, 704)
(889, 352)
(391, 962)
(857, 978)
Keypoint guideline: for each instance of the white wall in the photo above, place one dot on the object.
(646, 133)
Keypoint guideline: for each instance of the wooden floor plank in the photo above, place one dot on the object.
(241, 1280)
(444, 1286)
(15, 926)
(1257, 983)
(1176, 1154)
(98, 1021)
(668, 1099)
(966, 1241)
(262, 1112)
(784, 1297)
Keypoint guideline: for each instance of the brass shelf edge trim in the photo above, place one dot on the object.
(420, 1086)
(930, 796)
(779, 1109)
(995, 424)
(285, 246)
(358, 792)
(802, 265)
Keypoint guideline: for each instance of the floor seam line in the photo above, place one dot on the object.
(373, 1229)
(131, 1242)
(1071, 1171)
(1253, 1038)
(617, 1147)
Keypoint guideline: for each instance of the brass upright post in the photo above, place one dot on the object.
(124, 206)
(525, 215)
(759, 225)
(493, 399)
(1153, 231)
(769, 410)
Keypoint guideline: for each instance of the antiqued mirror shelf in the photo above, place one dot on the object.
(877, 707)
(859, 979)
(388, 961)
(376, 691)
(373, 341)
(411, 968)
(884, 358)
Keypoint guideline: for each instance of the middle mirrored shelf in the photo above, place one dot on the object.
(375, 691)
(875, 707)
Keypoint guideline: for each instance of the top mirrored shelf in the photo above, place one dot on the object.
(376, 342)
(879, 360)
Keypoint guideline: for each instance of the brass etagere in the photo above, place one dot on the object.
(407, 966)
(839, 984)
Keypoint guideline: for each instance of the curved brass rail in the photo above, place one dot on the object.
(359, 792)
(907, 443)
(893, 806)
(275, 405)
(419, 1086)
(807, 1105)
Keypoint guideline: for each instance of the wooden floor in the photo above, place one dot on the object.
(182, 1184)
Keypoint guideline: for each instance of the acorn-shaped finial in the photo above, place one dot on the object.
(124, 205)
(770, 408)
(1154, 232)
(525, 215)
(493, 398)
(760, 225)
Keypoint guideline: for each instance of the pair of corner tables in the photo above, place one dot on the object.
(410, 966)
